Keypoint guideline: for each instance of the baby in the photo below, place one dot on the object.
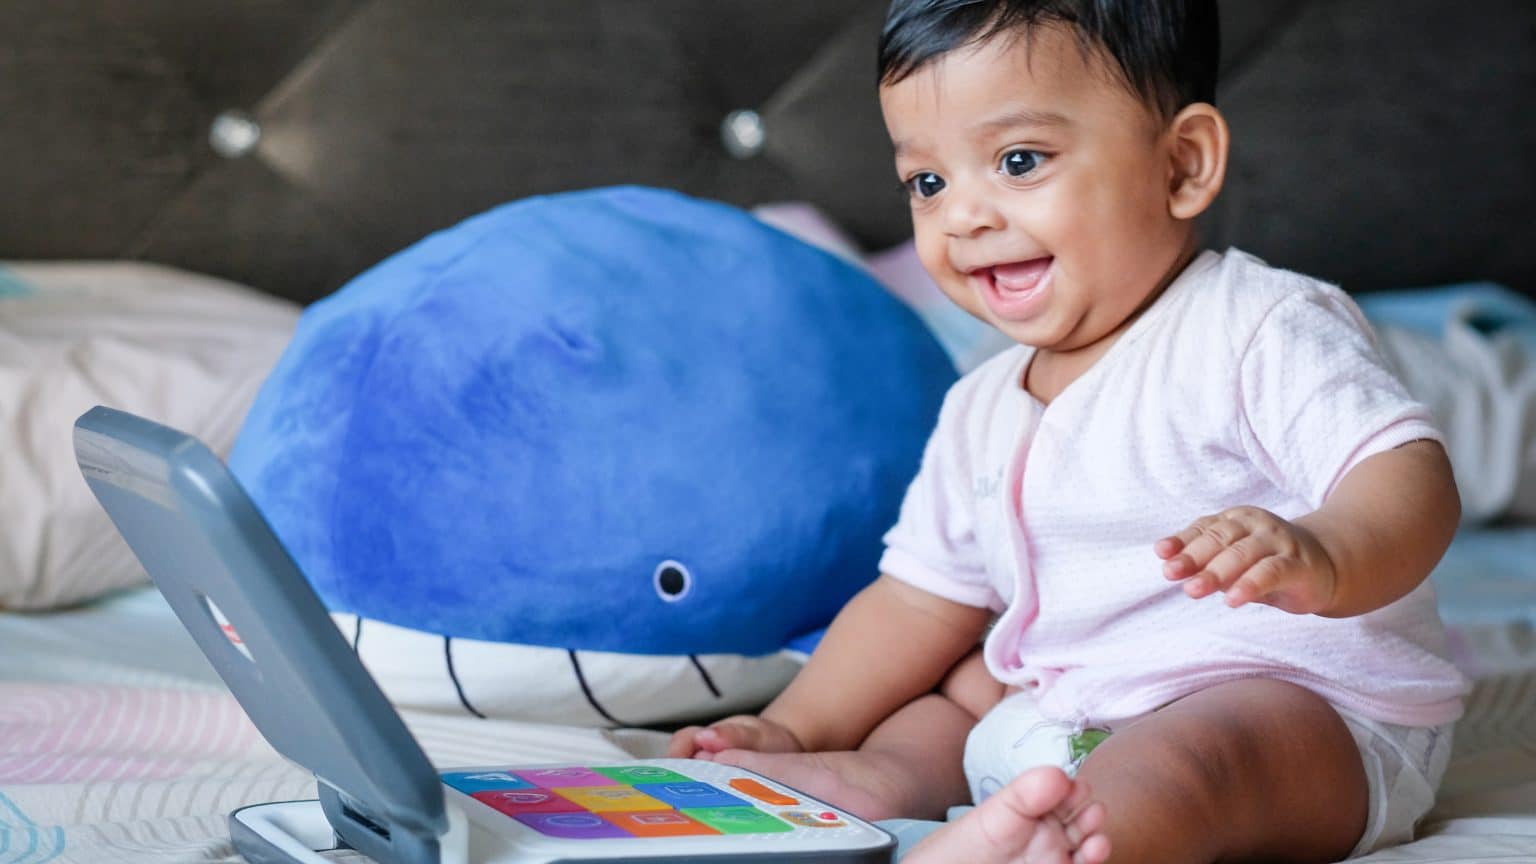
(1192, 505)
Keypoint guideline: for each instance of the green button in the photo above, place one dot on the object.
(629, 775)
(737, 820)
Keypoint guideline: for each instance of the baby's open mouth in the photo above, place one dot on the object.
(1017, 290)
(1019, 277)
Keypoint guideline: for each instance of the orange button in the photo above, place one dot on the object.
(658, 823)
(748, 786)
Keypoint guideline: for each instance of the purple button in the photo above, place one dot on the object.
(572, 826)
(556, 778)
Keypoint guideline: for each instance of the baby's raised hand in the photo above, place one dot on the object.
(742, 732)
(1253, 556)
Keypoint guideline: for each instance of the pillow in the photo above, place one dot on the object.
(1469, 352)
(184, 349)
(11, 285)
(620, 429)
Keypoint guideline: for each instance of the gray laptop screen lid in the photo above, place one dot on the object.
(241, 597)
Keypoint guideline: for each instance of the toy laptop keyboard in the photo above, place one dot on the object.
(675, 807)
(652, 810)
(243, 600)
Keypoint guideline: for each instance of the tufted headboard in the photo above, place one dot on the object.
(288, 144)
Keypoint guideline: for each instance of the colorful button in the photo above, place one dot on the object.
(572, 826)
(470, 782)
(813, 818)
(748, 786)
(658, 823)
(738, 820)
(633, 774)
(516, 801)
(560, 778)
(690, 794)
(603, 799)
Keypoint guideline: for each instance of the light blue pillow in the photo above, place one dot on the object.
(11, 284)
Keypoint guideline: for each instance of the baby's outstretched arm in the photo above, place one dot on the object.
(889, 645)
(1374, 540)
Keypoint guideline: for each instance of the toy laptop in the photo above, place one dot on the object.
(254, 615)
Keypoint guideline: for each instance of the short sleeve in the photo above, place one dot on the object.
(1317, 396)
(934, 545)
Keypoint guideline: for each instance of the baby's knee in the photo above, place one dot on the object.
(1233, 751)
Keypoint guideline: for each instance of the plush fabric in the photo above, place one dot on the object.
(1469, 352)
(185, 349)
(622, 420)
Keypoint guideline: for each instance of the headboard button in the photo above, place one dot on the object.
(743, 134)
(233, 134)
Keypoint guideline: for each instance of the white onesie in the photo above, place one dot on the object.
(1241, 385)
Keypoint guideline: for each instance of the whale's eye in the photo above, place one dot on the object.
(673, 581)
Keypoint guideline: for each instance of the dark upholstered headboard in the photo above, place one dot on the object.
(1377, 142)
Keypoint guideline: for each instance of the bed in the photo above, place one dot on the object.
(186, 177)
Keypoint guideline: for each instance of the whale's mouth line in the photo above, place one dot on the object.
(587, 691)
(581, 678)
(454, 677)
(704, 673)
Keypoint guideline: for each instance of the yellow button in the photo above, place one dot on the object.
(607, 799)
(748, 786)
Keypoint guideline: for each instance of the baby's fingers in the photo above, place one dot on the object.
(1198, 544)
(1168, 547)
(1227, 567)
(692, 742)
(746, 733)
(1259, 581)
(1176, 543)
(684, 744)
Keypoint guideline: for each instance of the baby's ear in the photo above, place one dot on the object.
(1197, 138)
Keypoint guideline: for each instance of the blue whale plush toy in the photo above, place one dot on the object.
(621, 421)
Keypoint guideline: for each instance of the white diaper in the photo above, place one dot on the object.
(1403, 764)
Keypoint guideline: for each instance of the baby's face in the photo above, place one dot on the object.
(1039, 187)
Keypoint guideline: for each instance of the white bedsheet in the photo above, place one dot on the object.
(117, 743)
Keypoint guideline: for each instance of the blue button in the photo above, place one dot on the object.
(682, 795)
(470, 782)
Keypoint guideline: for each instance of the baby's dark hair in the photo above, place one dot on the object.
(1167, 50)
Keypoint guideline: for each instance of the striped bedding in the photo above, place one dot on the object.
(117, 743)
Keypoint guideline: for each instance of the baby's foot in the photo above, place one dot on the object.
(869, 785)
(1041, 817)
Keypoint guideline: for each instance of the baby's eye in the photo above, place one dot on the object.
(925, 185)
(1017, 163)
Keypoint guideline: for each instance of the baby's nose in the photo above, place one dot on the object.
(968, 214)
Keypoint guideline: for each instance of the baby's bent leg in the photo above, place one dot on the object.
(909, 766)
(1252, 770)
